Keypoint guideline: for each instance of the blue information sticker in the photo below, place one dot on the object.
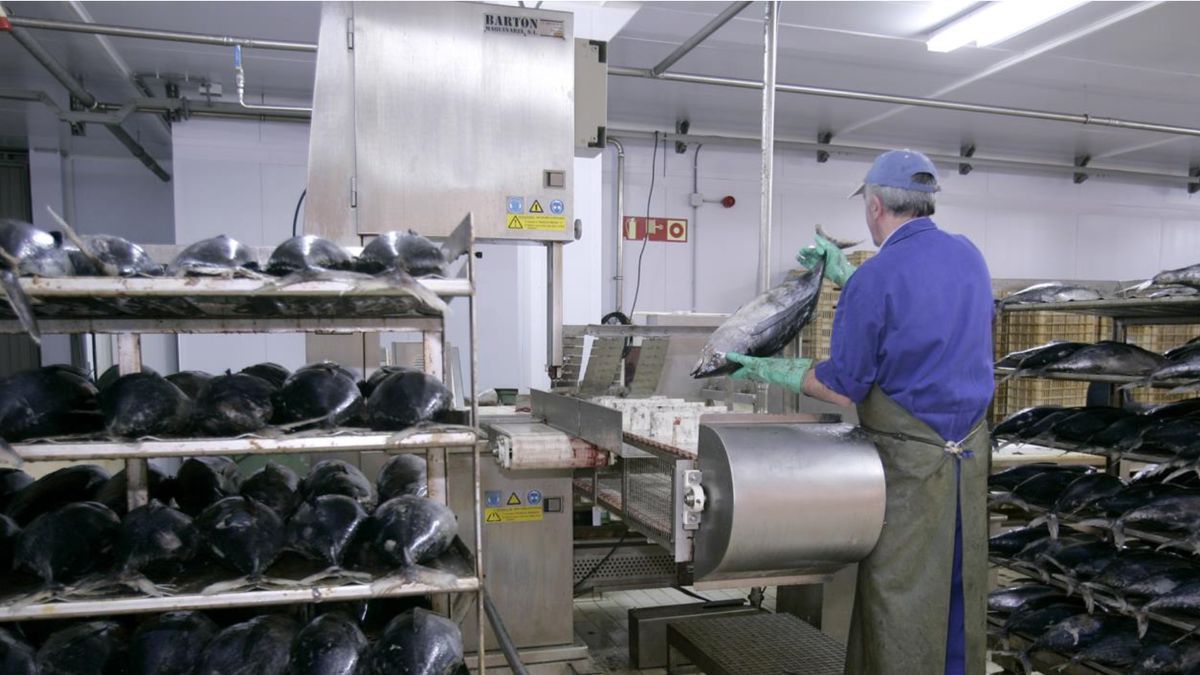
(516, 205)
(492, 498)
(556, 207)
(533, 498)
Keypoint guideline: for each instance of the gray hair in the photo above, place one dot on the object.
(901, 202)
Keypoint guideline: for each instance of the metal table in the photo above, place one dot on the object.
(759, 644)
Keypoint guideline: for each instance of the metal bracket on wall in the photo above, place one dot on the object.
(966, 151)
(80, 116)
(1194, 172)
(77, 127)
(824, 138)
(1081, 161)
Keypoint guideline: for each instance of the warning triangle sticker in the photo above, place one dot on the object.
(536, 208)
(514, 500)
(493, 517)
(514, 223)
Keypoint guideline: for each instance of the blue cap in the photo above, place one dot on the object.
(897, 168)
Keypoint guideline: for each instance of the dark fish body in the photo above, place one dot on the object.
(1012, 542)
(1129, 568)
(1017, 424)
(1042, 429)
(329, 366)
(407, 251)
(1172, 292)
(406, 399)
(1158, 585)
(1122, 433)
(9, 532)
(329, 645)
(1169, 411)
(1080, 561)
(1009, 599)
(412, 530)
(170, 644)
(1085, 491)
(325, 394)
(1172, 512)
(336, 477)
(1186, 276)
(274, 485)
(1167, 437)
(202, 481)
(1036, 620)
(12, 481)
(1042, 490)
(1136, 494)
(156, 539)
(404, 474)
(415, 643)
(323, 527)
(1161, 659)
(1109, 358)
(1041, 547)
(271, 372)
(190, 382)
(92, 648)
(1010, 478)
(1186, 349)
(1185, 598)
(76, 483)
(308, 252)
(1081, 426)
(1040, 356)
(231, 405)
(116, 257)
(245, 535)
(1050, 292)
(1118, 647)
(1181, 368)
(16, 657)
(259, 646)
(68, 543)
(215, 255)
(763, 326)
(48, 401)
(144, 404)
(1081, 631)
(381, 373)
(115, 492)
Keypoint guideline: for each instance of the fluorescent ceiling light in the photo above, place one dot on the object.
(997, 22)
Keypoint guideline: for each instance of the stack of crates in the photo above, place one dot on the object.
(816, 336)
(1159, 339)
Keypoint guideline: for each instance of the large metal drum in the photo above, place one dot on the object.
(786, 500)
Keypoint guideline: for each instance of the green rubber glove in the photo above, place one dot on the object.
(784, 372)
(837, 267)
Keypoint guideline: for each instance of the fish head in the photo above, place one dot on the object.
(710, 364)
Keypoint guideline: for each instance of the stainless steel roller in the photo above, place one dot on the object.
(785, 500)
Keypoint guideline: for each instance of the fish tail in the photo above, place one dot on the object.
(1070, 580)
(1118, 533)
(398, 278)
(840, 243)
(108, 269)
(1051, 524)
(20, 304)
(1089, 600)
(459, 242)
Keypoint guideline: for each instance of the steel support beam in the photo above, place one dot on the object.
(770, 57)
(691, 43)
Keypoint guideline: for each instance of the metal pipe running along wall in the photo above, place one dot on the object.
(1046, 115)
(152, 34)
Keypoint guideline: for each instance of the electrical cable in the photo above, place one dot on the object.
(645, 233)
(597, 566)
(693, 594)
(296, 213)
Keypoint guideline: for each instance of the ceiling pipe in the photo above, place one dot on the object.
(770, 58)
(939, 158)
(691, 43)
(1046, 115)
(184, 106)
(169, 36)
(60, 73)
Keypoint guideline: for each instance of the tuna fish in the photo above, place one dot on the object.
(1175, 659)
(1050, 292)
(1012, 598)
(406, 399)
(1010, 478)
(1079, 495)
(1186, 349)
(1036, 358)
(1172, 512)
(1158, 585)
(329, 645)
(102, 255)
(308, 252)
(407, 251)
(260, 646)
(156, 540)
(12, 481)
(1080, 632)
(1186, 276)
(1038, 492)
(404, 474)
(190, 382)
(1077, 562)
(243, 534)
(27, 251)
(1127, 569)
(415, 643)
(381, 373)
(1012, 542)
(1116, 648)
(115, 492)
(322, 528)
(48, 401)
(276, 486)
(92, 648)
(203, 481)
(336, 477)
(1136, 494)
(16, 657)
(271, 372)
(215, 256)
(412, 530)
(1034, 621)
(231, 405)
(80, 482)
(144, 404)
(9, 532)
(170, 644)
(318, 394)
(66, 544)
(1083, 425)
(1121, 434)
(1109, 358)
(1185, 368)
(1183, 598)
(1019, 423)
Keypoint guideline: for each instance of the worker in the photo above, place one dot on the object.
(912, 349)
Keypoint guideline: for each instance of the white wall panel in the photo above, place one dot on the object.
(1111, 247)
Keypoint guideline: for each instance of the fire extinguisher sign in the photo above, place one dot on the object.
(674, 230)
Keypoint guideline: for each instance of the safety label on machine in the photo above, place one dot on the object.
(537, 221)
(513, 514)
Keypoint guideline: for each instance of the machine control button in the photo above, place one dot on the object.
(552, 504)
(556, 179)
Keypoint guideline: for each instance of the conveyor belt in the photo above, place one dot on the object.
(759, 644)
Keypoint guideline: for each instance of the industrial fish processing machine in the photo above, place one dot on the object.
(765, 500)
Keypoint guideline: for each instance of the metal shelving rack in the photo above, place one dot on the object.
(1124, 312)
(129, 307)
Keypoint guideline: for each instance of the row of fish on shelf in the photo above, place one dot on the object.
(60, 400)
(1169, 432)
(70, 534)
(1099, 586)
(279, 643)
(1182, 282)
(1108, 357)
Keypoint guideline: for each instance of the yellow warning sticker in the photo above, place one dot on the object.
(526, 221)
(513, 514)
(513, 500)
(536, 208)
